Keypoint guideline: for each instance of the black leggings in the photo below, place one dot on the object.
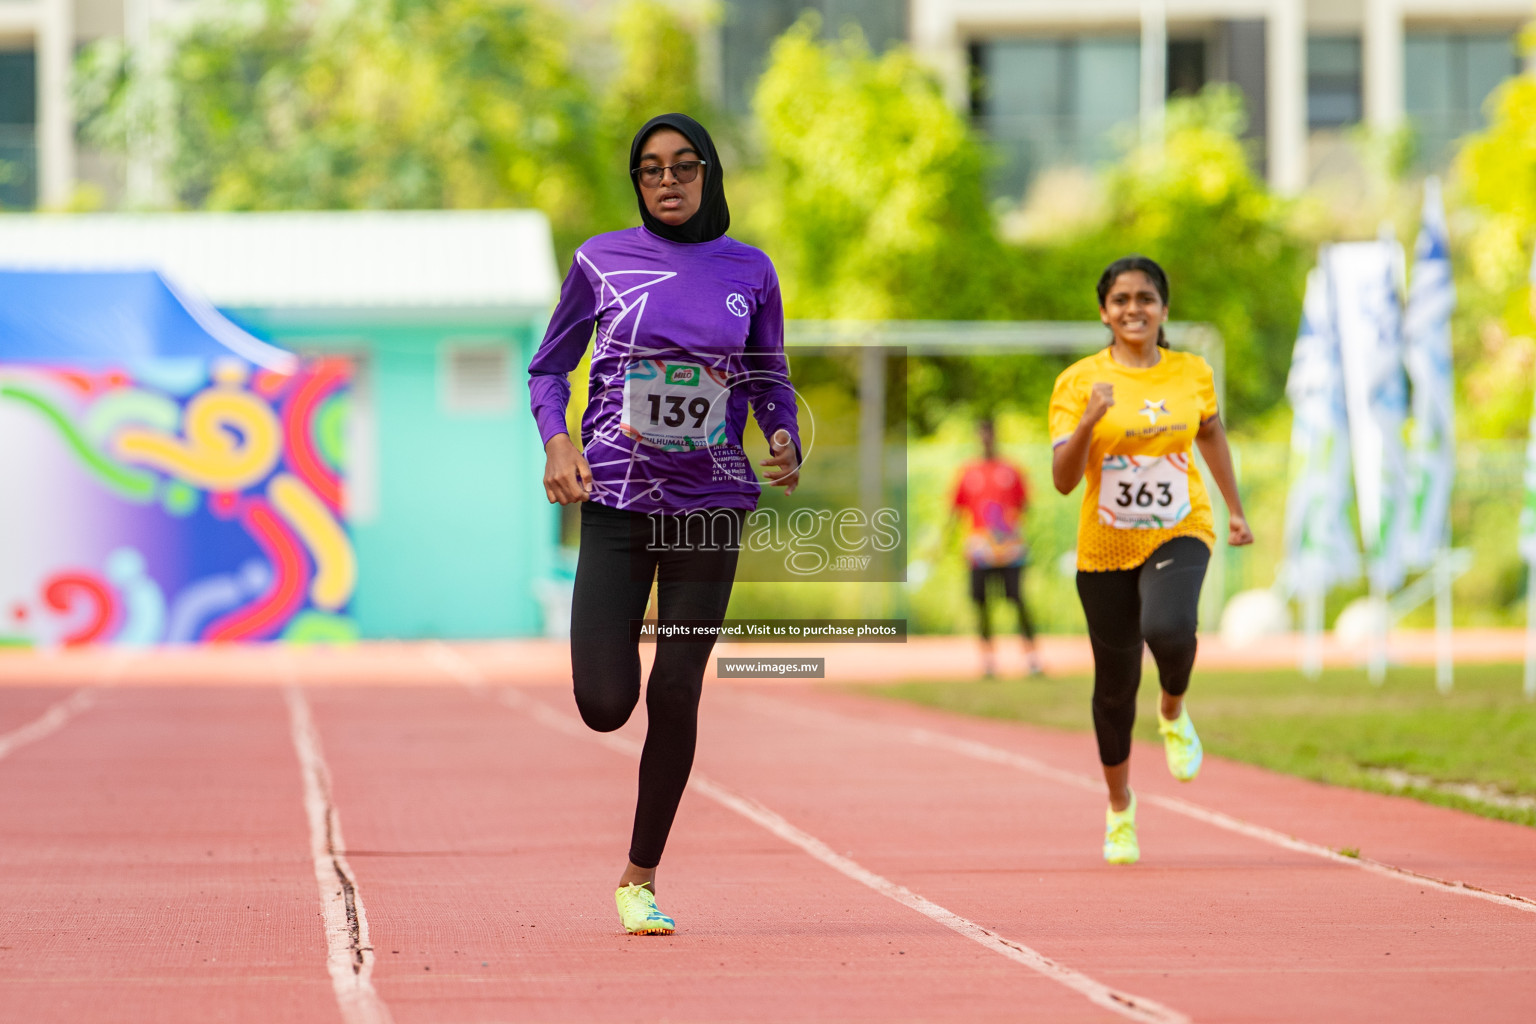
(693, 560)
(1158, 602)
(1012, 577)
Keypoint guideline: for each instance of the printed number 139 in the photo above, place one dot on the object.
(674, 417)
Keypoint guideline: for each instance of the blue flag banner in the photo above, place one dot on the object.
(1320, 545)
(1427, 354)
(1528, 507)
(1368, 315)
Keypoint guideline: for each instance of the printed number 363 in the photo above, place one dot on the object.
(1141, 497)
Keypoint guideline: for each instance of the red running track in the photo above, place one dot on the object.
(842, 858)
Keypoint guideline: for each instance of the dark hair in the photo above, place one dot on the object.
(1127, 264)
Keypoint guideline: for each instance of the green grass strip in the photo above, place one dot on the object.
(1337, 729)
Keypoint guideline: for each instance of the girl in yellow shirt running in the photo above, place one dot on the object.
(1125, 418)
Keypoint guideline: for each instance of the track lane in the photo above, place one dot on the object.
(487, 844)
(154, 868)
(1438, 842)
(461, 845)
(1219, 925)
(1126, 1004)
(50, 717)
(22, 705)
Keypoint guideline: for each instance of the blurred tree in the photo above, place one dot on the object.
(658, 70)
(872, 203)
(1193, 204)
(656, 55)
(1495, 172)
(1223, 238)
(364, 104)
(872, 199)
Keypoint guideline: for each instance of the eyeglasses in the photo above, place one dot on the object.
(684, 171)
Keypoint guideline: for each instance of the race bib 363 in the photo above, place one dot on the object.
(1144, 492)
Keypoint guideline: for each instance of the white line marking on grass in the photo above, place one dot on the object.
(1130, 1006)
(49, 723)
(349, 954)
(996, 755)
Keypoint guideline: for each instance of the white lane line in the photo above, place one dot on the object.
(455, 665)
(1133, 1007)
(49, 723)
(996, 755)
(349, 954)
(57, 716)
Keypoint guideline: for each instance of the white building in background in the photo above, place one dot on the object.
(1048, 82)
(40, 156)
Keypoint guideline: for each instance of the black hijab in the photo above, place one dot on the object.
(713, 217)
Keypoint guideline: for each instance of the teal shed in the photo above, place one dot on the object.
(440, 312)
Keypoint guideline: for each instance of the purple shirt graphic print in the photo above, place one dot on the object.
(687, 337)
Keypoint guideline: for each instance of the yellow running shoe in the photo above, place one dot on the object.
(1120, 845)
(1181, 745)
(638, 913)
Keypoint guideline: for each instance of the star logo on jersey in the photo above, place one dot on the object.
(1152, 410)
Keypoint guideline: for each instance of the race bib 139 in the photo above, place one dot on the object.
(677, 406)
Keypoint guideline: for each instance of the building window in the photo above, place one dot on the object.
(1186, 67)
(1048, 102)
(18, 130)
(1333, 81)
(477, 377)
(1448, 79)
(748, 25)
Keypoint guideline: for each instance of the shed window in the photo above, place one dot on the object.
(477, 377)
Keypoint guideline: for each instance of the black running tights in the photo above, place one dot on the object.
(620, 556)
(1157, 602)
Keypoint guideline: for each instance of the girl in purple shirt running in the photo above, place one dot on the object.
(689, 332)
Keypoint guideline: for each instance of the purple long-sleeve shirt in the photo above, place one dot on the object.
(687, 336)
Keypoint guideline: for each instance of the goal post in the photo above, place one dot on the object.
(987, 338)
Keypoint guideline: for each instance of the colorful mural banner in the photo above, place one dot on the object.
(176, 501)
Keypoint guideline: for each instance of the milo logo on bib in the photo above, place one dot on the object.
(685, 374)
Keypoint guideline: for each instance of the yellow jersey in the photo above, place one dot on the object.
(1143, 487)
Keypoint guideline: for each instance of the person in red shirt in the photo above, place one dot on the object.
(994, 493)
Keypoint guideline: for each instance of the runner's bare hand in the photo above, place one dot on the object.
(781, 450)
(1238, 532)
(567, 477)
(1100, 400)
